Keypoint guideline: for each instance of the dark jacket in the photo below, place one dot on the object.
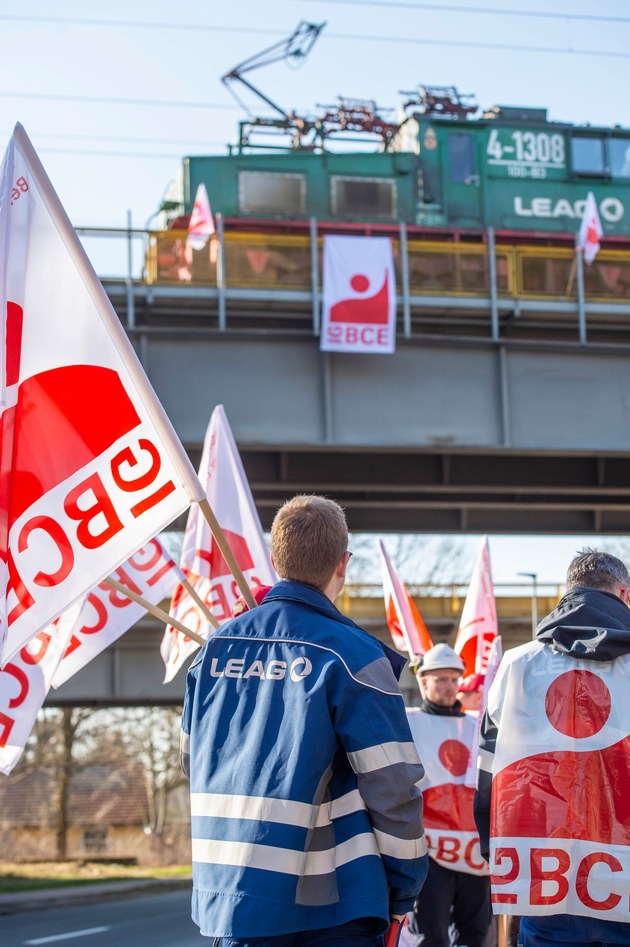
(305, 807)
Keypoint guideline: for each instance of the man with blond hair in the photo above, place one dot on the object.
(306, 813)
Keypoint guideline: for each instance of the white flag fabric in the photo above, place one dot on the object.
(106, 614)
(359, 295)
(221, 472)
(591, 230)
(444, 746)
(494, 660)
(201, 225)
(478, 626)
(90, 467)
(560, 810)
(408, 631)
(24, 684)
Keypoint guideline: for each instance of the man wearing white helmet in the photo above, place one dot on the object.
(456, 893)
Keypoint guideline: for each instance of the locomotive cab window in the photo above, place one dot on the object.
(268, 192)
(619, 151)
(461, 162)
(362, 197)
(587, 155)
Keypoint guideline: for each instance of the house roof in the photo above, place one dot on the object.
(104, 794)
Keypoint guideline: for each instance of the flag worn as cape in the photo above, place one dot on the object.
(90, 466)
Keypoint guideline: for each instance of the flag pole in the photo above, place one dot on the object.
(226, 552)
(200, 602)
(153, 609)
(571, 278)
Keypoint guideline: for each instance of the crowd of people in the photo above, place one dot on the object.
(324, 812)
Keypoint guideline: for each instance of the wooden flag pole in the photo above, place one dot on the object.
(226, 552)
(200, 602)
(502, 929)
(571, 278)
(153, 609)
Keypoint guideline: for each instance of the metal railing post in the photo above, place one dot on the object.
(494, 298)
(221, 272)
(580, 296)
(404, 271)
(131, 311)
(315, 276)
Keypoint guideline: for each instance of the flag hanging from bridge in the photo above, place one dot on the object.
(359, 308)
(90, 467)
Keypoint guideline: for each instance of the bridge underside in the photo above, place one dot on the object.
(449, 492)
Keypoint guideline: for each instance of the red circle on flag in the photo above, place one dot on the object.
(578, 704)
(360, 283)
(454, 756)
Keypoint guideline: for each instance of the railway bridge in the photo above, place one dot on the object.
(505, 408)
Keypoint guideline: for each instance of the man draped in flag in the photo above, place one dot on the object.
(457, 889)
(552, 806)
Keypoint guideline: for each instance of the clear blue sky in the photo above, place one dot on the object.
(112, 95)
(70, 70)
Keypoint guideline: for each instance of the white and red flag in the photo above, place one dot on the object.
(24, 684)
(478, 625)
(494, 660)
(90, 467)
(408, 631)
(359, 295)
(221, 472)
(560, 810)
(201, 225)
(444, 746)
(106, 614)
(591, 231)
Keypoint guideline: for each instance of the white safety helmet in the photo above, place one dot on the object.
(439, 657)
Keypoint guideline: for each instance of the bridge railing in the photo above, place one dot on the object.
(475, 277)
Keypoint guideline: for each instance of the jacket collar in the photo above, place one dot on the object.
(588, 623)
(286, 590)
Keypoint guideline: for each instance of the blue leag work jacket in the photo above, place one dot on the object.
(306, 811)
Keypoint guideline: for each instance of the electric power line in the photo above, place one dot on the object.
(110, 100)
(468, 44)
(346, 37)
(494, 11)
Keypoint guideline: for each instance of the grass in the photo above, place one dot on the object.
(35, 876)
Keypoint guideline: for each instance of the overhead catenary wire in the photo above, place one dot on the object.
(353, 37)
(487, 11)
